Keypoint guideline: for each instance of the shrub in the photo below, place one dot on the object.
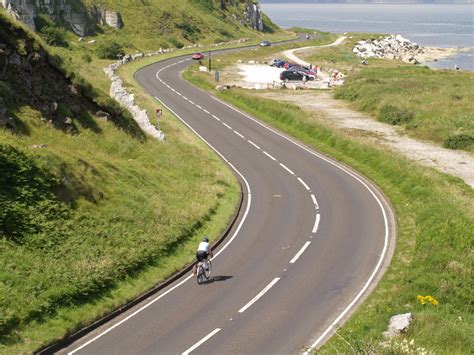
(54, 36)
(86, 58)
(175, 42)
(394, 115)
(189, 30)
(458, 141)
(28, 203)
(109, 50)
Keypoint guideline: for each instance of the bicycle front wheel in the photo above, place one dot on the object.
(207, 272)
(200, 274)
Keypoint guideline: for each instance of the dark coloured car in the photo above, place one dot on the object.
(298, 75)
(265, 44)
(198, 56)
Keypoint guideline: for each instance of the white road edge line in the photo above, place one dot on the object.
(287, 169)
(268, 155)
(203, 340)
(256, 146)
(333, 325)
(304, 184)
(316, 223)
(256, 298)
(315, 201)
(296, 257)
(244, 217)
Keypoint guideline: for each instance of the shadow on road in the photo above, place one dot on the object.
(217, 279)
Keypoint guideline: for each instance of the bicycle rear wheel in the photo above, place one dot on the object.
(207, 272)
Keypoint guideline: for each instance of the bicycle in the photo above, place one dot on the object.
(203, 270)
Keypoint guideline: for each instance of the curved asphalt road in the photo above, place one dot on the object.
(311, 237)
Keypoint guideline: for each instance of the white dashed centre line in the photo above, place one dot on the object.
(268, 155)
(316, 223)
(287, 169)
(206, 111)
(217, 118)
(314, 201)
(199, 107)
(256, 298)
(191, 102)
(225, 124)
(304, 184)
(298, 254)
(203, 340)
(237, 133)
(256, 146)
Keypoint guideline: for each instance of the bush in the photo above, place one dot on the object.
(54, 36)
(458, 141)
(394, 115)
(28, 202)
(86, 58)
(110, 50)
(175, 42)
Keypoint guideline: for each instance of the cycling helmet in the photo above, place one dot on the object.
(206, 239)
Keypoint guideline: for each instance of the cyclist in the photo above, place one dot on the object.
(202, 252)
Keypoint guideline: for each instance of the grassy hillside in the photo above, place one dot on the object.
(92, 212)
(435, 105)
(435, 215)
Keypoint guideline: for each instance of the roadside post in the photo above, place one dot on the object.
(159, 114)
(216, 75)
(209, 62)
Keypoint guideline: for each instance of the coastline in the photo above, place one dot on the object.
(434, 54)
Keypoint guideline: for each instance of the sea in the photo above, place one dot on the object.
(434, 25)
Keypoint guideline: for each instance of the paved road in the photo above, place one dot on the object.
(309, 240)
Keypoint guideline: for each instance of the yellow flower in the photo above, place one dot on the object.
(427, 299)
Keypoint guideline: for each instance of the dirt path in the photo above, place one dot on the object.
(336, 112)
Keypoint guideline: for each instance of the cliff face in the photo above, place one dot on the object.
(82, 20)
(73, 14)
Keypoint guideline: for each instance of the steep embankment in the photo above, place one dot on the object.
(147, 24)
(87, 200)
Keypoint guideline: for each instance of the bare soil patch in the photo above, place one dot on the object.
(336, 112)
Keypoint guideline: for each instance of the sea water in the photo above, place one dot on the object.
(435, 25)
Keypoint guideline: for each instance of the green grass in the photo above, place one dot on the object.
(442, 101)
(94, 218)
(433, 256)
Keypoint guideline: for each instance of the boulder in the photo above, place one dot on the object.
(398, 324)
(103, 116)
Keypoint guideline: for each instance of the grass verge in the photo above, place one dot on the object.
(433, 255)
(440, 103)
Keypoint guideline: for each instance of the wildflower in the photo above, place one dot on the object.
(427, 299)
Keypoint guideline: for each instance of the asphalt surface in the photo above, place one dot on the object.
(310, 240)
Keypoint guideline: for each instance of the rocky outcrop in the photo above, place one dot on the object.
(127, 100)
(107, 17)
(391, 47)
(75, 15)
(253, 16)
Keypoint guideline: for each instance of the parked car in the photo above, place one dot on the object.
(288, 75)
(277, 63)
(265, 44)
(198, 56)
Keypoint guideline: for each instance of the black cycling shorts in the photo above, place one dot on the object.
(201, 255)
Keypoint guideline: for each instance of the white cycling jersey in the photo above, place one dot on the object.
(203, 246)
